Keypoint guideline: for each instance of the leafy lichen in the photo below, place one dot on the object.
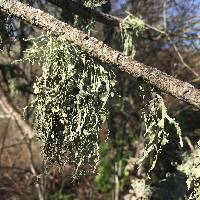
(155, 119)
(155, 113)
(139, 190)
(93, 3)
(131, 27)
(72, 95)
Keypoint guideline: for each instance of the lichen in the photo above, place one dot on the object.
(139, 190)
(155, 120)
(131, 27)
(155, 112)
(71, 102)
(93, 3)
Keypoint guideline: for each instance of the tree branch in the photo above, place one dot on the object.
(85, 12)
(179, 89)
(115, 21)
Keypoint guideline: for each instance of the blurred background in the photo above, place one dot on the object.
(171, 43)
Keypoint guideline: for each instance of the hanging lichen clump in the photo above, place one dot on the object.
(72, 96)
(131, 27)
(155, 112)
(87, 25)
(155, 120)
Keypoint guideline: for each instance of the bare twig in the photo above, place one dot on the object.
(175, 49)
(116, 196)
(17, 188)
(181, 57)
(189, 143)
(165, 15)
(4, 139)
(12, 145)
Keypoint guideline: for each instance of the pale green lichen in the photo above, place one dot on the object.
(71, 103)
(87, 25)
(155, 114)
(155, 119)
(131, 27)
(93, 3)
(140, 190)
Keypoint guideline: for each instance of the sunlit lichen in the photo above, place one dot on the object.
(93, 3)
(71, 103)
(155, 119)
(155, 113)
(131, 27)
(140, 190)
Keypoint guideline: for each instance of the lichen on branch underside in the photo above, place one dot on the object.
(155, 112)
(71, 103)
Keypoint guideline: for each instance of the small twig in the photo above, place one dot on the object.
(181, 57)
(14, 168)
(12, 145)
(175, 49)
(195, 80)
(116, 196)
(165, 15)
(189, 143)
(17, 188)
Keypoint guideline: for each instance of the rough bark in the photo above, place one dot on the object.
(179, 89)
